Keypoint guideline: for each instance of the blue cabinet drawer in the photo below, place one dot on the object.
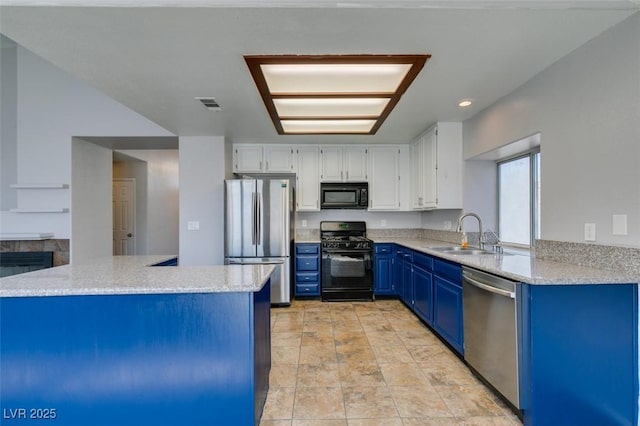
(307, 248)
(307, 278)
(383, 248)
(449, 270)
(307, 289)
(307, 263)
(423, 261)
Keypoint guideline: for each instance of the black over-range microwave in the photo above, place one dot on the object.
(352, 195)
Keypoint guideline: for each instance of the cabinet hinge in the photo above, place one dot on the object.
(292, 150)
(366, 151)
(236, 150)
(321, 151)
(398, 151)
(436, 200)
(297, 151)
(436, 132)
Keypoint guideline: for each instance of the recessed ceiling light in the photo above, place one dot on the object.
(333, 94)
(465, 103)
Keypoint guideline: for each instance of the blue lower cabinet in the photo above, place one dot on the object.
(307, 270)
(148, 359)
(447, 303)
(579, 354)
(384, 273)
(447, 312)
(423, 294)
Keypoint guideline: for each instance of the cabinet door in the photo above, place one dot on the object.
(383, 274)
(407, 283)
(417, 182)
(447, 315)
(247, 159)
(423, 293)
(308, 184)
(355, 164)
(278, 159)
(430, 171)
(331, 159)
(383, 178)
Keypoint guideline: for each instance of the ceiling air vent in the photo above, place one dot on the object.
(210, 103)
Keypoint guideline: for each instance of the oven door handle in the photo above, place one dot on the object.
(490, 288)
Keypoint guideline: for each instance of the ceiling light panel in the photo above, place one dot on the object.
(332, 94)
(335, 78)
(330, 107)
(328, 126)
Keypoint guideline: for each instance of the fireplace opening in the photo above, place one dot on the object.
(13, 263)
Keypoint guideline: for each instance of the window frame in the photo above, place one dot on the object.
(535, 157)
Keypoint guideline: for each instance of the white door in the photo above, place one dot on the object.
(278, 159)
(384, 178)
(308, 188)
(247, 158)
(331, 159)
(430, 169)
(124, 217)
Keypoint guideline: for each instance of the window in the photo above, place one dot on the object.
(519, 199)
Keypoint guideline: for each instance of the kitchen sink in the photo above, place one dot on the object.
(458, 250)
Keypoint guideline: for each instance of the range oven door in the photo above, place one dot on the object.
(347, 275)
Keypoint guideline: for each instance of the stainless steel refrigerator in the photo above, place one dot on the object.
(259, 228)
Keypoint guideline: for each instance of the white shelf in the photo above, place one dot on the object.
(40, 185)
(63, 210)
(22, 236)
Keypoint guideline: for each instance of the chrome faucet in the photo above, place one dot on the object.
(481, 237)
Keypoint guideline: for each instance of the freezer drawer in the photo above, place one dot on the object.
(280, 278)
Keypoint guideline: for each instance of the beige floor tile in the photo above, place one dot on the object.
(368, 402)
(383, 338)
(320, 422)
(434, 421)
(317, 338)
(355, 353)
(279, 404)
(448, 373)
(325, 375)
(357, 374)
(425, 354)
(283, 355)
(469, 401)
(419, 401)
(283, 376)
(317, 354)
(318, 403)
(319, 327)
(407, 374)
(391, 354)
(376, 327)
(487, 421)
(351, 338)
(286, 339)
(287, 326)
(394, 421)
(275, 422)
(418, 338)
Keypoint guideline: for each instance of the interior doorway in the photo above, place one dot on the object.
(124, 217)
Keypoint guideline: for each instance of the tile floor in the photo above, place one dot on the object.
(369, 363)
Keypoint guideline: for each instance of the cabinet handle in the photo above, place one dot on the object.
(347, 174)
(261, 165)
(267, 166)
(341, 175)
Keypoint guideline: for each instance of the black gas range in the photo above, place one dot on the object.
(347, 261)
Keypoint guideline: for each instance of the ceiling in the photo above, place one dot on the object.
(156, 60)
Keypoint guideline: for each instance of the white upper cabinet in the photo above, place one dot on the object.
(436, 168)
(343, 164)
(278, 159)
(308, 179)
(384, 178)
(247, 158)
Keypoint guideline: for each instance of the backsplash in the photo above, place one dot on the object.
(592, 255)
(59, 247)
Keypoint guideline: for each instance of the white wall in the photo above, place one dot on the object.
(202, 174)
(52, 108)
(587, 108)
(160, 201)
(8, 122)
(91, 202)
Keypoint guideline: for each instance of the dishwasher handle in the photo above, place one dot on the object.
(499, 291)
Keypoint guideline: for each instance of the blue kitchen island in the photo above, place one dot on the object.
(116, 342)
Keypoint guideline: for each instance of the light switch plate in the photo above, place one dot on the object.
(193, 225)
(619, 224)
(383, 222)
(589, 231)
(304, 223)
(447, 224)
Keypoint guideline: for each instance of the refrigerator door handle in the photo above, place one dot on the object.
(253, 218)
(259, 219)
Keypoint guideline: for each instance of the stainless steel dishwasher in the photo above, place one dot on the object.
(490, 330)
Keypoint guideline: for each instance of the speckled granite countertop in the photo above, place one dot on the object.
(520, 267)
(133, 275)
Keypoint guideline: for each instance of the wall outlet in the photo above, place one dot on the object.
(193, 225)
(589, 231)
(619, 224)
(447, 225)
(304, 223)
(383, 222)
